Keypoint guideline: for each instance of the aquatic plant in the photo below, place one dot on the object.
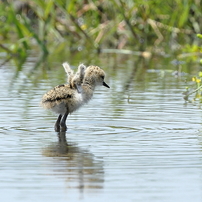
(99, 24)
(197, 80)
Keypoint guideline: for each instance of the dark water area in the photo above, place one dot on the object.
(137, 141)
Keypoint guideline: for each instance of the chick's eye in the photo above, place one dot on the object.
(102, 77)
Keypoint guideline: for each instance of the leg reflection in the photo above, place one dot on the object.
(75, 164)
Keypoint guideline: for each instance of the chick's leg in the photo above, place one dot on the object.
(57, 123)
(63, 126)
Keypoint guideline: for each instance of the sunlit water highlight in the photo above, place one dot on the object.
(140, 144)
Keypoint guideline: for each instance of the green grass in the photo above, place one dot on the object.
(44, 26)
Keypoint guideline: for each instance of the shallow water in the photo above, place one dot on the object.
(137, 144)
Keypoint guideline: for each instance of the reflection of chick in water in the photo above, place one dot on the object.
(80, 165)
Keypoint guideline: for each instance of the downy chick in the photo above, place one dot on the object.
(64, 100)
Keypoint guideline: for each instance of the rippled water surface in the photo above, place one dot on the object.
(140, 143)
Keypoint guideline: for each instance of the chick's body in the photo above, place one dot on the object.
(63, 99)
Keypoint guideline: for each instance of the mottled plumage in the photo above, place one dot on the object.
(63, 99)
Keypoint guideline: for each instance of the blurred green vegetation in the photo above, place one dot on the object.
(195, 88)
(135, 25)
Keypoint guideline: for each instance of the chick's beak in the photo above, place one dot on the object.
(104, 84)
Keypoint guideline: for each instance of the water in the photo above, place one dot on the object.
(138, 144)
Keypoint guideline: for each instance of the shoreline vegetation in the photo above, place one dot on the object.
(137, 27)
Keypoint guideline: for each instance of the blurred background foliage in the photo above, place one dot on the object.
(99, 25)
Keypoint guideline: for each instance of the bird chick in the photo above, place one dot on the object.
(64, 100)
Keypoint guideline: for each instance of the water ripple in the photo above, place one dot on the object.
(141, 144)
